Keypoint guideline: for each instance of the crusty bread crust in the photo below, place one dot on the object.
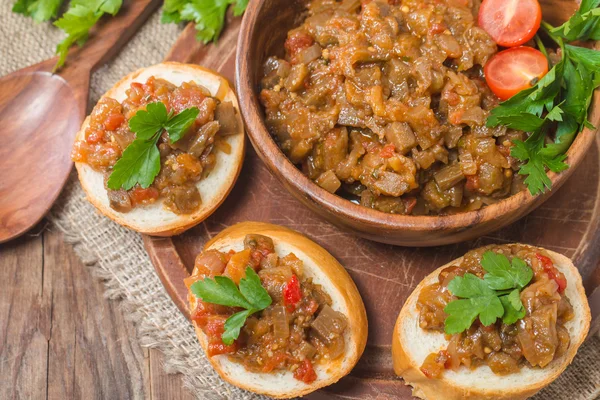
(326, 271)
(154, 219)
(410, 344)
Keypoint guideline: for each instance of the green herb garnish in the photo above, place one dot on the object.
(209, 15)
(81, 16)
(495, 296)
(561, 97)
(250, 295)
(140, 162)
(39, 10)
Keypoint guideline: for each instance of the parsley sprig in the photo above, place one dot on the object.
(140, 162)
(209, 15)
(495, 296)
(251, 296)
(39, 10)
(81, 16)
(562, 97)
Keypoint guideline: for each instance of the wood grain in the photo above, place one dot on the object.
(385, 275)
(61, 339)
(259, 40)
(42, 112)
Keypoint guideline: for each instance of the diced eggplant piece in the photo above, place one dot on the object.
(204, 138)
(335, 146)
(306, 351)
(448, 176)
(225, 114)
(401, 136)
(329, 324)
(295, 80)
(391, 184)
(309, 54)
(281, 323)
(259, 242)
(329, 181)
(119, 200)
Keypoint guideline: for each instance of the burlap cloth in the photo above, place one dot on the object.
(117, 255)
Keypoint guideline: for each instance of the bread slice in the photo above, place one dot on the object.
(411, 345)
(154, 219)
(325, 271)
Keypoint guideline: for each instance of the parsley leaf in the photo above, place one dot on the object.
(563, 95)
(583, 25)
(503, 274)
(209, 15)
(221, 290)
(513, 307)
(233, 325)
(531, 151)
(140, 162)
(146, 123)
(178, 125)
(487, 298)
(39, 10)
(81, 16)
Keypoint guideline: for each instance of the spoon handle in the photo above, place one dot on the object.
(108, 37)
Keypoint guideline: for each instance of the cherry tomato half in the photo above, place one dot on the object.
(515, 69)
(510, 22)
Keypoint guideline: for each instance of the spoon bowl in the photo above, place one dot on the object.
(41, 113)
(40, 116)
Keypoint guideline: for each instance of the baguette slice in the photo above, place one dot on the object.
(154, 219)
(325, 271)
(411, 345)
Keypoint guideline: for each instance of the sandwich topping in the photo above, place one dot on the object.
(157, 144)
(263, 311)
(501, 306)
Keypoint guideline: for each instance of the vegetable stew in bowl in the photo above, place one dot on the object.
(386, 104)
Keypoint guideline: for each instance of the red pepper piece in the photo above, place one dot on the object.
(552, 272)
(292, 293)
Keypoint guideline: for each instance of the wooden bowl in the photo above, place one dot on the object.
(263, 32)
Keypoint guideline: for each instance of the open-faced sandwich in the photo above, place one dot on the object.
(275, 312)
(162, 149)
(501, 322)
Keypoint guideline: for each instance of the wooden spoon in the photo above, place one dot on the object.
(41, 112)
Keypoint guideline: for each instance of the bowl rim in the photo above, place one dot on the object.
(289, 174)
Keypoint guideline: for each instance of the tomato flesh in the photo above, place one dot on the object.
(510, 22)
(515, 69)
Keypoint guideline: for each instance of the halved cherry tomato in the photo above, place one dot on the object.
(513, 70)
(510, 22)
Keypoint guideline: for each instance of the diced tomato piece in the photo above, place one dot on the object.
(552, 272)
(472, 183)
(387, 151)
(93, 136)
(297, 42)
(277, 361)
(113, 121)
(217, 348)
(305, 372)
(292, 293)
(140, 195)
(437, 28)
(237, 264)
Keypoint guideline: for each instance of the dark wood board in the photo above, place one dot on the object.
(385, 274)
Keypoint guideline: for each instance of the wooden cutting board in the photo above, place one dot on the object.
(385, 274)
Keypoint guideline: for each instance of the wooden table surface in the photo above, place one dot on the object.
(60, 338)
